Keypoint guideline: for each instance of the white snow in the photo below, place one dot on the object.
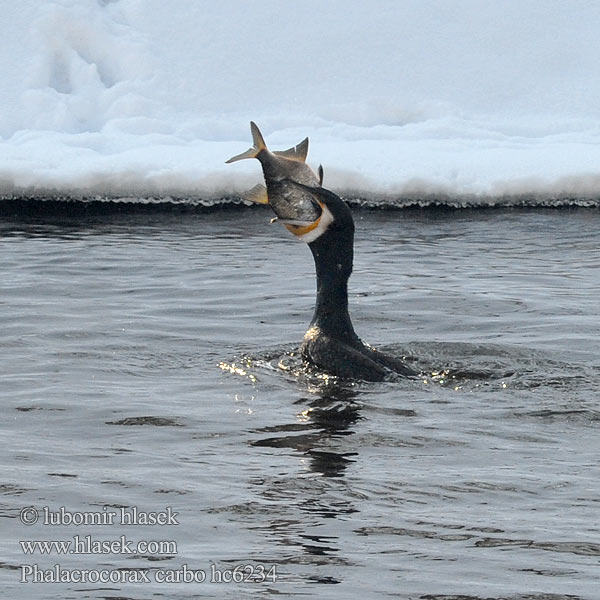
(469, 98)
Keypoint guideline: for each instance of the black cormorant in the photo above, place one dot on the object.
(331, 342)
(323, 220)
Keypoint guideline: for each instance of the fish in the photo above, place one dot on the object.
(295, 207)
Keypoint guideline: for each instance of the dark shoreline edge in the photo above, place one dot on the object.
(26, 206)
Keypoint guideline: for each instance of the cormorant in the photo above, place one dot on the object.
(324, 221)
(331, 342)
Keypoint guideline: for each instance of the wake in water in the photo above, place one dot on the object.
(458, 367)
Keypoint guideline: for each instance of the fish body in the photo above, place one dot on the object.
(293, 206)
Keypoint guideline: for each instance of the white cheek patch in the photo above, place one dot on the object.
(324, 221)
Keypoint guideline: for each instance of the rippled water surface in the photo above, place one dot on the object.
(147, 361)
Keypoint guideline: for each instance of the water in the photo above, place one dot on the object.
(140, 359)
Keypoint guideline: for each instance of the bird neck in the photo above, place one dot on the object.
(333, 254)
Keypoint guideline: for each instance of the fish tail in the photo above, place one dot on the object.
(258, 145)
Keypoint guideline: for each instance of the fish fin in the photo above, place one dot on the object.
(250, 153)
(321, 175)
(257, 138)
(298, 152)
(258, 145)
(295, 222)
(257, 194)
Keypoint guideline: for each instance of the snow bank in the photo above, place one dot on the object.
(413, 99)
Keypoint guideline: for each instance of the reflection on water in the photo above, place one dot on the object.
(332, 413)
(478, 479)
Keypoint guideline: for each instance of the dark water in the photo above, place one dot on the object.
(140, 367)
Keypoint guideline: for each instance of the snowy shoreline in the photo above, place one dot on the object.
(486, 101)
